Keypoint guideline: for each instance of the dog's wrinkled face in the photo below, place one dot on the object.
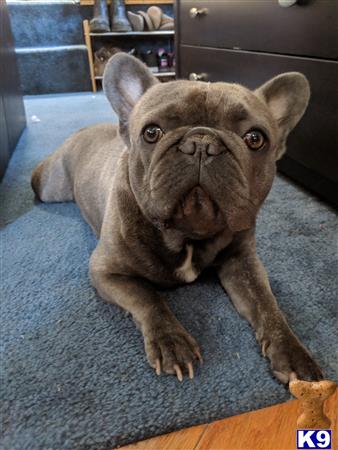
(202, 155)
(202, 171)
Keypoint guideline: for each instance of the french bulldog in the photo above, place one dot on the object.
(176, 188)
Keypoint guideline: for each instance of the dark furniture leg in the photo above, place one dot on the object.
(12, 111)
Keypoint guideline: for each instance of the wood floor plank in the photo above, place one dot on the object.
(265, 429)
(272, 428)
(258, 430)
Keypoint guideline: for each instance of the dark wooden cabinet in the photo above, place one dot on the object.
(12, 112)
(307, 29)
(249, 42)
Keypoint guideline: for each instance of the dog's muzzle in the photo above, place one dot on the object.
(197, 214)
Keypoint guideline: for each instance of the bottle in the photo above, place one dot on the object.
(162, 58)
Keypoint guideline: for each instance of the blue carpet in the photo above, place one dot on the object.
(74, 374)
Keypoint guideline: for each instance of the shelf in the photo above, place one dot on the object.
(156, 74)
(134, 33)
(132, 2)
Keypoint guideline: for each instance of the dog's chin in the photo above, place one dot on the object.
(196, 215)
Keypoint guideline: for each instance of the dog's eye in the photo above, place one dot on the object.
(152, 134)
(254, 139)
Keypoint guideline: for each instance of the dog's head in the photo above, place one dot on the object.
(202, 155)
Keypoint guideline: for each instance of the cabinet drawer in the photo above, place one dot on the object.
(314, 143)
(309, 28)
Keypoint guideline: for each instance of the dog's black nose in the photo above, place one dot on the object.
(201, 140)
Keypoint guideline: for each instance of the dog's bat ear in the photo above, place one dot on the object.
(287, 96)
(125, 80)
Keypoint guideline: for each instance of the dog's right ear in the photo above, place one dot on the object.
(125, 80)
(287, 96)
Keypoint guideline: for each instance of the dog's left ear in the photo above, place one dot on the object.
(287, 97)
(125, 80)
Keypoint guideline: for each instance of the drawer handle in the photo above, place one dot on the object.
(286, 3)
(197, 76)
(198, 12)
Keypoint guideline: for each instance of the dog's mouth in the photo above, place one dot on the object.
(197, 214)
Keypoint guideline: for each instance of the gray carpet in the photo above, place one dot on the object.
(74, 374)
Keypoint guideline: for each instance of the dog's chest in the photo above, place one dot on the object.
(199, 256)
(187, 272)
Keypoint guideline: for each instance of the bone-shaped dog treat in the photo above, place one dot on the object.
(312, 396)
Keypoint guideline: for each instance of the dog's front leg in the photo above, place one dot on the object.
(167, 344)
(245, 280)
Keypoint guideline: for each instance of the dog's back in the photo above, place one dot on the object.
(81, 170)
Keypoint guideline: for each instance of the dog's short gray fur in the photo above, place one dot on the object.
(163, 213)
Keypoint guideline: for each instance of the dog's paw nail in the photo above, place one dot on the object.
(190, 370)
(281, 376)
(265, 346)
(178, 372)
(293, 376)
(198, 356)
(158, 367)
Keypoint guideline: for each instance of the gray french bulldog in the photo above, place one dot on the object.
(176, 188)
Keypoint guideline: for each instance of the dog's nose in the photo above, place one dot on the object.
(201, 141)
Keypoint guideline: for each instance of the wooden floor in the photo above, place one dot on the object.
(266, 429)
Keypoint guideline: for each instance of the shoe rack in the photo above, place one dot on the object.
(110, 35)
(132, 35)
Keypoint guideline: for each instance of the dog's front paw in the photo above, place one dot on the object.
(172, 350)
(290, 360)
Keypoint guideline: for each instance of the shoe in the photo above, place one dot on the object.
(167, 23)
(167, 27)
(101, 57)
(113, 50)
(136, 20)
(136, 53)
(149, 24)
(171, 60)
(155, 15)
(100, 21)
(119, 21)
(150, 60)
(166, 19)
